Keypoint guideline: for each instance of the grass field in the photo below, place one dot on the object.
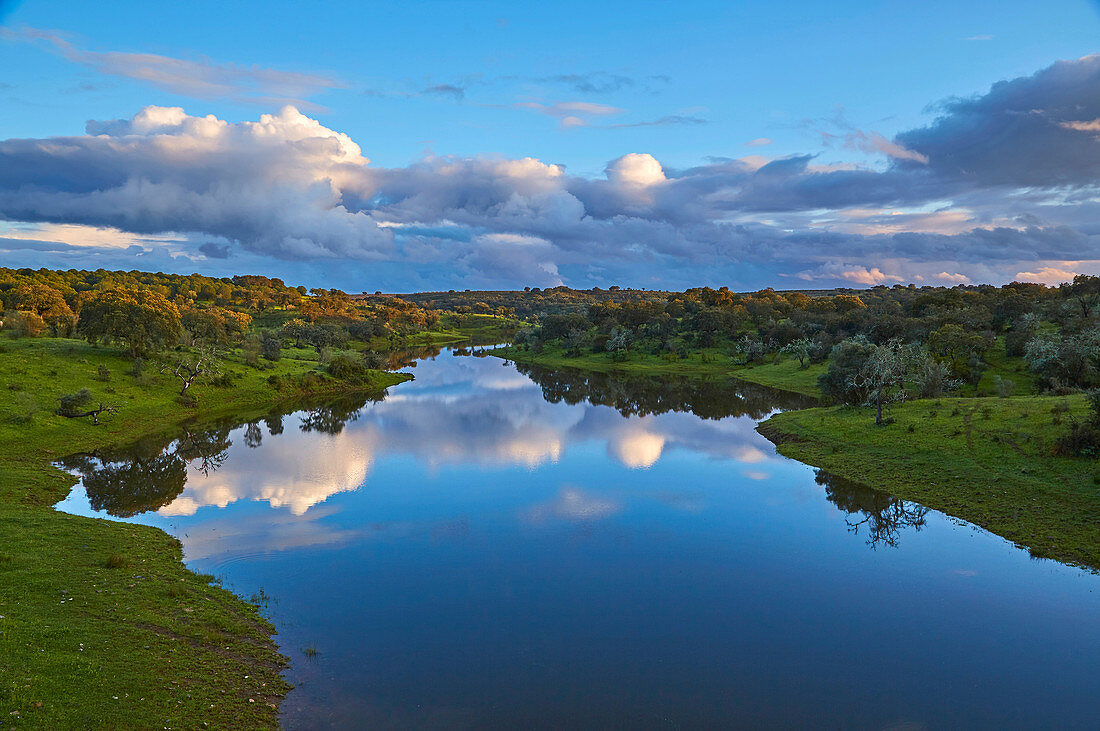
(100, 623)
(985, 460)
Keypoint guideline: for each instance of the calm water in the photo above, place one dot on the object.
(487, 547)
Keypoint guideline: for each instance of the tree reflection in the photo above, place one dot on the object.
(884, 516)
(332, 417)
(151, 473)
(124, 489)
(207, 448)
(709, 398)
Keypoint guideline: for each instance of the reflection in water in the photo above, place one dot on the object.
(124, 484)
(883, 515)
(709, 398)
(152, 473)
(493, 548)
(493, 418)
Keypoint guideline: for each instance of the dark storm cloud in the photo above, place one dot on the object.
(1038, 130)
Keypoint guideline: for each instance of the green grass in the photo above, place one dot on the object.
(785, 375)
(1011, 369)
(986, 460)
(102, 625)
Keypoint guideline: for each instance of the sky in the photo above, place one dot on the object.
(404, 146)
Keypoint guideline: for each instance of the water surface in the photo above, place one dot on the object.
(494, 547)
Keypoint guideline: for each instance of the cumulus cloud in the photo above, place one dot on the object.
(993, 185)
(273, 186)
(1048, 275)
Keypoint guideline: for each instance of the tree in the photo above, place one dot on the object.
(295, 330)
(47, 303)
(1086, 290)
(846, 361)
(271, 346)
(190, 366)
(142, 319)
(800, 349)
(75, 406)
(882, 376)
(933, 377)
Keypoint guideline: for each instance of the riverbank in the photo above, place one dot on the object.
(985, 460)
(101, 625)
(786, 375)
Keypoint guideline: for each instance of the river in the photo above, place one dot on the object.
(493, 546)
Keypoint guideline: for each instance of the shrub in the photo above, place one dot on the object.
(1082, 440)
(103, 373)
(1004, 387)
(271, 346)
(137, 368)
(72, 403)
(347, 368)
(24, 324)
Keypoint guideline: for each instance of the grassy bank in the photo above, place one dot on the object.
(785, 375)
(100, 623)
(986, 460)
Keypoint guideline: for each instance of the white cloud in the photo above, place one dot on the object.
(636, 169)
(1048, 275)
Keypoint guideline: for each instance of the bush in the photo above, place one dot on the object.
(1004, 387)
(72, 403)
(137, 368)
(24, 324)
(103, 373)
(1082, 440)
(347, 368)
(271, 346)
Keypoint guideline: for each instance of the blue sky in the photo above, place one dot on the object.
(689, 85)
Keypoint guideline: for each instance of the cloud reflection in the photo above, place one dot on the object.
(459, 411)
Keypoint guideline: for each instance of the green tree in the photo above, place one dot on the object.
(142, 319)
(47, 303)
